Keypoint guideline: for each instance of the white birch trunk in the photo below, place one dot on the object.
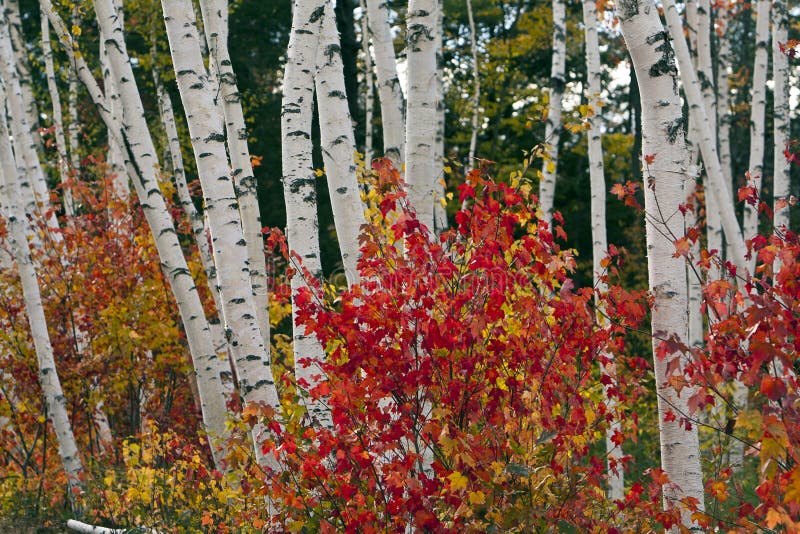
(198, 231)
(115, 156)
(439, 204)
(33, 177)
(780, 78)
(338, 145)
(719, 186)
(74, 127)
(421, 108)
(616, 482)
(758, 106)
(215, 24)
(23, 69)
(662, 136)
(723, 95)
(476, 79)
(228, 244)
(141, 163)
(389, 91)
(58, 121)
(369, 92)
(552, 135)
(299, 183)
(17, 223)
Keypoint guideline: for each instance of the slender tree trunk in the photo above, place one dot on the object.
(17, 222)
(781, 114)
(198, 231)
(476, 83)
(74, 127)
(369, 90)
(141, 163)
(421, 110)
(215, 23)
(439, 204)
(28, 157)
(23, 69)
(662, 122)
(338, 145)
(723, 95)
(299, 184)
(547, 186)
(389, 91)
(616, 481)
(719, 186)
(206, 130)
(115, 156)
(58, 123)
(758, 105)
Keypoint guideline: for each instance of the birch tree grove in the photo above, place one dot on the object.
(216, 315)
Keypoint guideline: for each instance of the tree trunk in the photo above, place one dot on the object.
(552, 135)
(215, 20)
(228, 244)
(24, 143)
(758, 105)
(369, 92)
(338, 145)
(141, 163)
(299, 185)
(58, 122)
(389, 91)
(662, 129)
(23, 69)
(781, 114)
(17, 222)
(616, 481)
(421, 110)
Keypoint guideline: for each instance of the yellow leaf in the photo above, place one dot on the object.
(76, 30)
(457, 481)
(448, 170)
(477, 497)
(41, 419)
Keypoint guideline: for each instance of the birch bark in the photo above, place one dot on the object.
(299, 183)
(28, 163)
(369, 92)
(338, 144)
(421, 108)
(17, 223)
(662, 132)
(58, 120)
(389, 92)
(215, 24)
(547, 185)
(616, 480)
(229, 247)
(198, 230)
(23, 68)
(142, 164)
(719, 186)
(758, 105)
(780, 78)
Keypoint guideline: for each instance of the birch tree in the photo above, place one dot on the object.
(33, 186)
(780, 80)
(299, 185)
(141, 163)
(17, 222)
(215, 24)
(58, 120)
(421, 108)
(598, 193)
(758, 105)
(664, 157)
(389, 92)
(338, 143)
(552, 135)
(228, 244)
